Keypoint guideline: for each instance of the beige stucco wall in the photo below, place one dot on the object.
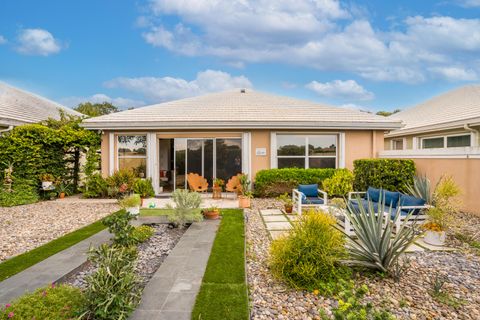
(358, 144)
(465, 172)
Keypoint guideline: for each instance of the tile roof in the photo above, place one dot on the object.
(240, 109)
(453, 108)
(18, 107)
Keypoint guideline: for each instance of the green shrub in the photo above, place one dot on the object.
(274, 182)
(187, 207)
(340, 184)
(119, 225)
(143, 233)
(54, 302)
(112, 291)
(388, 174)
(144, 188)
(309, 256)
(23, 192)
(95, 186)
(350, 306)
(121, 182)
(130, 201)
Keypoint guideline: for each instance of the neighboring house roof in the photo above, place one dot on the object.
(450, 110)
(240, 108)
(18, 107)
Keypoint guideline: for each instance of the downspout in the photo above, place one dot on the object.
(6, 130)
(475, 134)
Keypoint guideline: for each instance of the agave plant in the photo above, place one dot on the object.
(421, 189)
(374, 244)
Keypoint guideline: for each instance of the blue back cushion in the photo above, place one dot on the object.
(391, 198)
(406, 200)
(373, 194)
(309, 190)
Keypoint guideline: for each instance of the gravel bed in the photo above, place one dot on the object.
(23, 228)
(408, 299)
(151, 255)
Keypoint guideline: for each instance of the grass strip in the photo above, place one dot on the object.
(144, 212)
(25, 260)
(223, 294)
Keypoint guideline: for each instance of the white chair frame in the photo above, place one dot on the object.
(297, 200)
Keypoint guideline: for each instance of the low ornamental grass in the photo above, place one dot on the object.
(54, 302)
(309, 256)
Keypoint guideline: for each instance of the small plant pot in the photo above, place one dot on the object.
(134, 211)
(217, 192)
(46, 184)
(160, 189)
(61, 195)
(435, 238)
(288, 208)
(211, 215)
(244, 202)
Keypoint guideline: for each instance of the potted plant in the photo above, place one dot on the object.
(47, 180)
(63, 189)
(217, 188)
(287, 202)
(211, 213)
(245, 196)
(131, 204)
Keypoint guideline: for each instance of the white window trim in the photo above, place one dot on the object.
(445, 140)
(339, 163)
(396, 139)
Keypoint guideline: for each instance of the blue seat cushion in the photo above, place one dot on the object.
(355, 204)
(410, 201)
(312, 200)
(373, 194)
(391, 198)
(309, 190)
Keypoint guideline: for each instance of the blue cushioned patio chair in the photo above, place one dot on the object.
(308, 196)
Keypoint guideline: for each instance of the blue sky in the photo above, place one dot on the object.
(374, 55)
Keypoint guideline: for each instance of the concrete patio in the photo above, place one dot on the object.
(228, 201)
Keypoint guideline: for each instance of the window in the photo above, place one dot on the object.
(397, 144)
(458, 141)
(132, 153)
(306, 151)
(453, 141)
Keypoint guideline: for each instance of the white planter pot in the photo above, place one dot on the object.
(434, 238)
(133, 210)
(46, 184)
(160, 189)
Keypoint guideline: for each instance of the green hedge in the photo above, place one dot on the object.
(388, 174)
(274, 182)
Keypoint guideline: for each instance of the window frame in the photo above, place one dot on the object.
(404, 142)
(118, 156)
(445, 140)
(306, 155)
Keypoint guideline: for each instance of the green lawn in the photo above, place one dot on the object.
(223, 294)
(21, 262)
(155, 212)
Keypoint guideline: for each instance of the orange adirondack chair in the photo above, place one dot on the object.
(197, 183)
(233, 184)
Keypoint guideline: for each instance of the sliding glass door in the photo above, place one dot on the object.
(210, 157)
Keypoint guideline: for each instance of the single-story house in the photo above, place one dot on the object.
(221, 134)
(19, 107)
(442, 136)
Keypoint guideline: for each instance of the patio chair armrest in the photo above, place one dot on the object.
(325, 196)
(296, 195)
(351, 193)
(426, 206)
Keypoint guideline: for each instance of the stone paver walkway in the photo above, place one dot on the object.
(172, 291)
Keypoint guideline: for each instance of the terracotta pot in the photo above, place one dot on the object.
(289, 208)
(243, 202)
(211, 215)
(61, 195)
(217, 192)
(434, 238)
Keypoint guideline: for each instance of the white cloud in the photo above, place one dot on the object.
(348, 89)
(37, 42)
(470, 3)
(168, 88)
(310, 33)
(122, 103)
(455, 74)
(2, 39)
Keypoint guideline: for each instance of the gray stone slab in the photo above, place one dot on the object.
(275, 218)
(278, 225)
(172, 291)
(49, 270)
(277, 234)
(270, 212)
